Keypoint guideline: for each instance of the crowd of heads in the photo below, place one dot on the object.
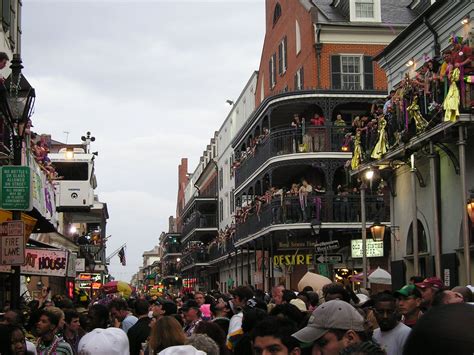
(245, 320)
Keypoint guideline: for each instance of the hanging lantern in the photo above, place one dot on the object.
(378, 231)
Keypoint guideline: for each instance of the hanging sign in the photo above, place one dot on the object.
(16, 188)
(12, 243)
(374, 249)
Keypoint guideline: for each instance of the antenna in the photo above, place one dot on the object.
(67, 135)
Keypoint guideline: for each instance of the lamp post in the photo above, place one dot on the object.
(369, 175)
(17, 98)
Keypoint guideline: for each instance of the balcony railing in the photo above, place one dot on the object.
(324, 208)
(217, 251)
(173, 248)
(195, 257)
(199, 220)
(281, 141)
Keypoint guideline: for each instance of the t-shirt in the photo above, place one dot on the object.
(393, 340)
(128, 322)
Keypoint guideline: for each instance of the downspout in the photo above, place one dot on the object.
(437, 47)
(319, 47)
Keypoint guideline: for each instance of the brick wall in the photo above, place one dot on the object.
(292, 10)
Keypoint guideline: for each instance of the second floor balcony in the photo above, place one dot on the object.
(199, 222)
(337, 210)
(194, 257)
(282, 141)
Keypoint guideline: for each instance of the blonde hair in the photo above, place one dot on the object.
(166, 332)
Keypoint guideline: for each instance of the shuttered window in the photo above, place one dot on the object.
(272, 71)
(299, 79)
(282, 57)
(352, 72)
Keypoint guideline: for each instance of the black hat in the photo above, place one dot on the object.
(189, 304)
(169, 308)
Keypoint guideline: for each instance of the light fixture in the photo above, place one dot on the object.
(369, 174)
(73, 229)
(28, 279)
(470, 207)
(230, 102)
(176, 278)
(378, 231)
(410, 63)
(178, 260)
(465, 20)
(69, 154)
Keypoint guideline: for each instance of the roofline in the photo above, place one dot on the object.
(402, 35)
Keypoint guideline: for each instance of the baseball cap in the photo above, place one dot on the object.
(299, 303)
(334, 314)
(431, 282)
(115, 340)
(181, 350)
(407, 291)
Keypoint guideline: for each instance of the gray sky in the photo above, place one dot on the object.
(149, 79)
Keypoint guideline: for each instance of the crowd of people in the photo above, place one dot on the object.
(420, 318)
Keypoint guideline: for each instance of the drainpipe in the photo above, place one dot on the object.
(319, 47)
(437, 47)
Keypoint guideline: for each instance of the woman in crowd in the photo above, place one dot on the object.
(165, 332)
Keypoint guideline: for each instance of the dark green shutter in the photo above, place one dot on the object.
(280, 58)
(6, 14)
(286, 52)
(336, 71)
(270, 73)
(302, 77)
(296, 81)
(368, 73)
(274, 69)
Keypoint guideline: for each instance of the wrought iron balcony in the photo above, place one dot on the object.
(194, 257)
(217, 251)
(319, 208)
(172, 248)
(284, 141)
(198, 221)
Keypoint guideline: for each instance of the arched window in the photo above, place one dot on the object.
(298, 38)
(422, 239)
(276, 13)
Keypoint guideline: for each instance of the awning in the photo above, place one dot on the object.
(30, 222)
(56, 240)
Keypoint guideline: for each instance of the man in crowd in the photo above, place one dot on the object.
(48, 342)
(242, 295)
(199, 298)
(72, 329)
(192, 316)
(97, 317)
(333, 327)
(140, 331)
(273, 336)
(119, 311)
(392, 334)
(409, 301)
(428, 289)
(277, 294)
(336, 291)
(447, 297)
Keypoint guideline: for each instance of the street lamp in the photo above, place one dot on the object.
(17, 99)
(378, 231)
(369, 175)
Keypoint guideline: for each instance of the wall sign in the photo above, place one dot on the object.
(294, 259)
(374, 249)
(46, 262)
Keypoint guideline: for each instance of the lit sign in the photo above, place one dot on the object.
(295, 259)
(374, 249)
(96, 285)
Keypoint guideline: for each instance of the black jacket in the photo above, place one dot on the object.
(138, 334)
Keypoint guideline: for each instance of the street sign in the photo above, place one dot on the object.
(330, 259)
(16, 188)
(12, 237)
(326, 246)
(323, 269)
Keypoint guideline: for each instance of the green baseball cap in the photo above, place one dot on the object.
(407, 291)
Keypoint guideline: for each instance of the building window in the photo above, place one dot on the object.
(364, 8)
(221, 178)
(299, 79)
(298, 38)
(422, 239)
(352, 72)
(276, 13)
(221, 210)
(282, 57)
(272, 71)
(232, 201)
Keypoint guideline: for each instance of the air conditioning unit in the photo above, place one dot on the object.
(73, 195)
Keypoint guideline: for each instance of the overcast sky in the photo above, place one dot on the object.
(149, 79)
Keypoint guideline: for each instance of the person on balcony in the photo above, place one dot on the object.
(303, 193)
(319, 190)
(318, 132)
(277, 204)
(296, 125)
(381, 147)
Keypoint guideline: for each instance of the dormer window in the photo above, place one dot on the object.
(365, 11)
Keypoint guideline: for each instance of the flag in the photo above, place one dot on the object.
(121, 255)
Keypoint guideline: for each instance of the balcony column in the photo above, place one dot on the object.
(249, 279)
(263, 263)
(270, 264)
(465, 224)
(236, 269)
(416, 259)
(242, 265)
(434, 174)
(255, 261)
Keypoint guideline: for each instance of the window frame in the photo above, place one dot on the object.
(360, 74)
